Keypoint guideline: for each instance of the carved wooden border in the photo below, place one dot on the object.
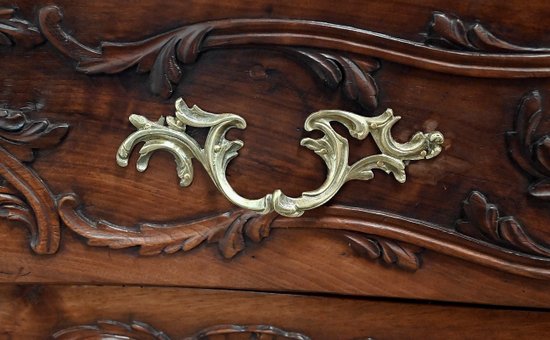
(497, 242)
(350, 59)
(393, 239)
(136, 330)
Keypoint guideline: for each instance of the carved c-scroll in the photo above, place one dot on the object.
(36, 208)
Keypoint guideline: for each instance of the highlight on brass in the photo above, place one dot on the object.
(169, 134)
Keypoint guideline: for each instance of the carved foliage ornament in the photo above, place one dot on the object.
(23, 195)
(528, 147)
(164, 57)
(17, 31)
(394, 240)
(136, 330)
(348, 66)
(448, 31)
(169, 134)
(482, 220)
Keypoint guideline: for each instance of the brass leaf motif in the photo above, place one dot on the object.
(169, 134)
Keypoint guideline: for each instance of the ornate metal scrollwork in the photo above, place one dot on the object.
(169, 134)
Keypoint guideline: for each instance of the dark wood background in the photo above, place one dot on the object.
(275, 94)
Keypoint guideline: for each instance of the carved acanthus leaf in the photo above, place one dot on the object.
(482, 220)
(164, 55)
(14, 208)
(227, 230)
(448, 31)
(352, 75)
(528, 148)
(391, 252)
(17, 31)
(159, 56)
(20, 135)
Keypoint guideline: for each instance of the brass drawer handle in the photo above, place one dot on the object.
(169, 134)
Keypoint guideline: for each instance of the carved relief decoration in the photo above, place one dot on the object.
(528, 147)
(450, 32)
(17, 31)
(497, 242)
(500, 242)
(227, 230)
(390, 252)
(392, 239)
(108, 329)
(23, 195)
(165, 56)
(482, 220)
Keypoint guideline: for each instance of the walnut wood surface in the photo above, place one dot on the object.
(40, 311)
(275, 89)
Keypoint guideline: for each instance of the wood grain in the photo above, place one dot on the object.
(275, 94)
(39, 311)
(160, 54)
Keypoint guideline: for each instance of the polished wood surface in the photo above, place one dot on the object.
(467, 226)
(39, 311)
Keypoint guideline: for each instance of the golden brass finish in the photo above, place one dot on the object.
(169, 134)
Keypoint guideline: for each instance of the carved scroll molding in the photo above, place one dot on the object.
(227, 230)
(528, 147)
(332, 148)
(23, 195)
(18, 31)
(392, 239)
(108, 329)
(162, 56)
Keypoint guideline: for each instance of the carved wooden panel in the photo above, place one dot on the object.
(94, 312)
(484, 88)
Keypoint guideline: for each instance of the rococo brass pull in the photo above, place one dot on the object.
(169, 134)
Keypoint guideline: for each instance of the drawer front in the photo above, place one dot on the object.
(312, 188)
(87, 312)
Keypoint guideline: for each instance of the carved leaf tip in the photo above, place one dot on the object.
(482, 220)
(15, 31)
(14, 208)
(353, 76)
(450, 32)
(527, 148)
(21, 135)
(162, 56)
(254, 226)
(403, 255)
